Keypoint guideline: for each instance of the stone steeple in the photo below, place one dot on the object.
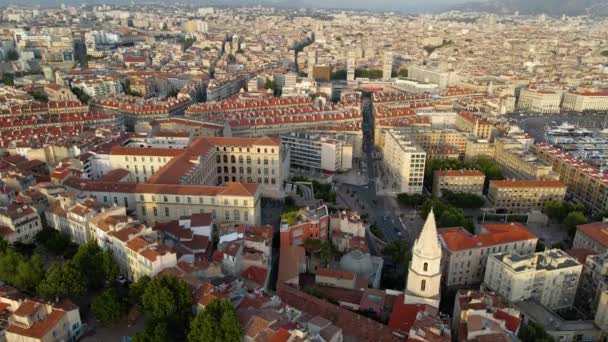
(424, 277)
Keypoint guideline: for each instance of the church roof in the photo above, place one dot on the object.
(427, 245)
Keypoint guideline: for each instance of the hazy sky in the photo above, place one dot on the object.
(397, 5)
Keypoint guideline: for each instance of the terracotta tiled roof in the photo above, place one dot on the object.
(597, 231)
(458, 238)
(335, 273)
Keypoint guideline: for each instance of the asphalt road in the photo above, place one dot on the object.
(379, 209)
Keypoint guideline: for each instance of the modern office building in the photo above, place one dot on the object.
(404, 161)
(387, 65)
(318, 153)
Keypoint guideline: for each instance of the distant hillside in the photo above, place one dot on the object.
(550, 7)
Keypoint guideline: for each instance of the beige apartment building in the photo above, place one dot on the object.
(465, 254)
(523, 196)
(540, 101)
(582, 101)
(153, 203)
(592, 236)
(474, 124)
(477, 148)
(404, 161)
(442, 140)
(208, 161)
(585, 183)
(465, 181)
(19, 223)
(514, 159)
(549, 277)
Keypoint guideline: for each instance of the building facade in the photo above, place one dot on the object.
(404, 161)
(549, 277)
(424, 276)
(459, 181)
(465, 255)
(522, 196)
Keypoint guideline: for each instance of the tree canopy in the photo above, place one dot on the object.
(447, 215)
(23, 272)
(462, 200)
(108, 307)
(169, 300)
(96, 264)
(62, 280)
(217, 322)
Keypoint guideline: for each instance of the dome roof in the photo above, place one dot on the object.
(357, 262)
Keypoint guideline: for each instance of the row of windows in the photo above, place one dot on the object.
(236, 214)
(143, 159)
(241, 149)
(242, 170)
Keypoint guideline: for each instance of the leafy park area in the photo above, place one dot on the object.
(166, 303)
(568, 215)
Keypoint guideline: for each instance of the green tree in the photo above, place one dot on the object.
(168, 299)
(158, 332)
(217, 322)
(554, 210)
(111, 269)
(462, 200)
(8, 265)
(574, 219)
(532, 331)
(108, 307)
(12, 55)
(326, 253)
(138, 288)
(397, 250)
(62, 280)
(81, 95)
(40, 96)
(90, 261)
(29, 273)
(8, 79)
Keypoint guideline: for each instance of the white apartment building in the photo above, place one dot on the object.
(540, 101)
(318, 153)
(99, 86)
(135, 246)
(465, 254)
(404, 160)
(549, 277)
(19, 223)
(71, 217)
(427, 75)
(387, 66)
(350, 66)
(582, 101)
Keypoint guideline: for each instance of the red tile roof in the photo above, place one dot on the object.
(458, 238)
(404, 315)
(597, 231)
(334, 273)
